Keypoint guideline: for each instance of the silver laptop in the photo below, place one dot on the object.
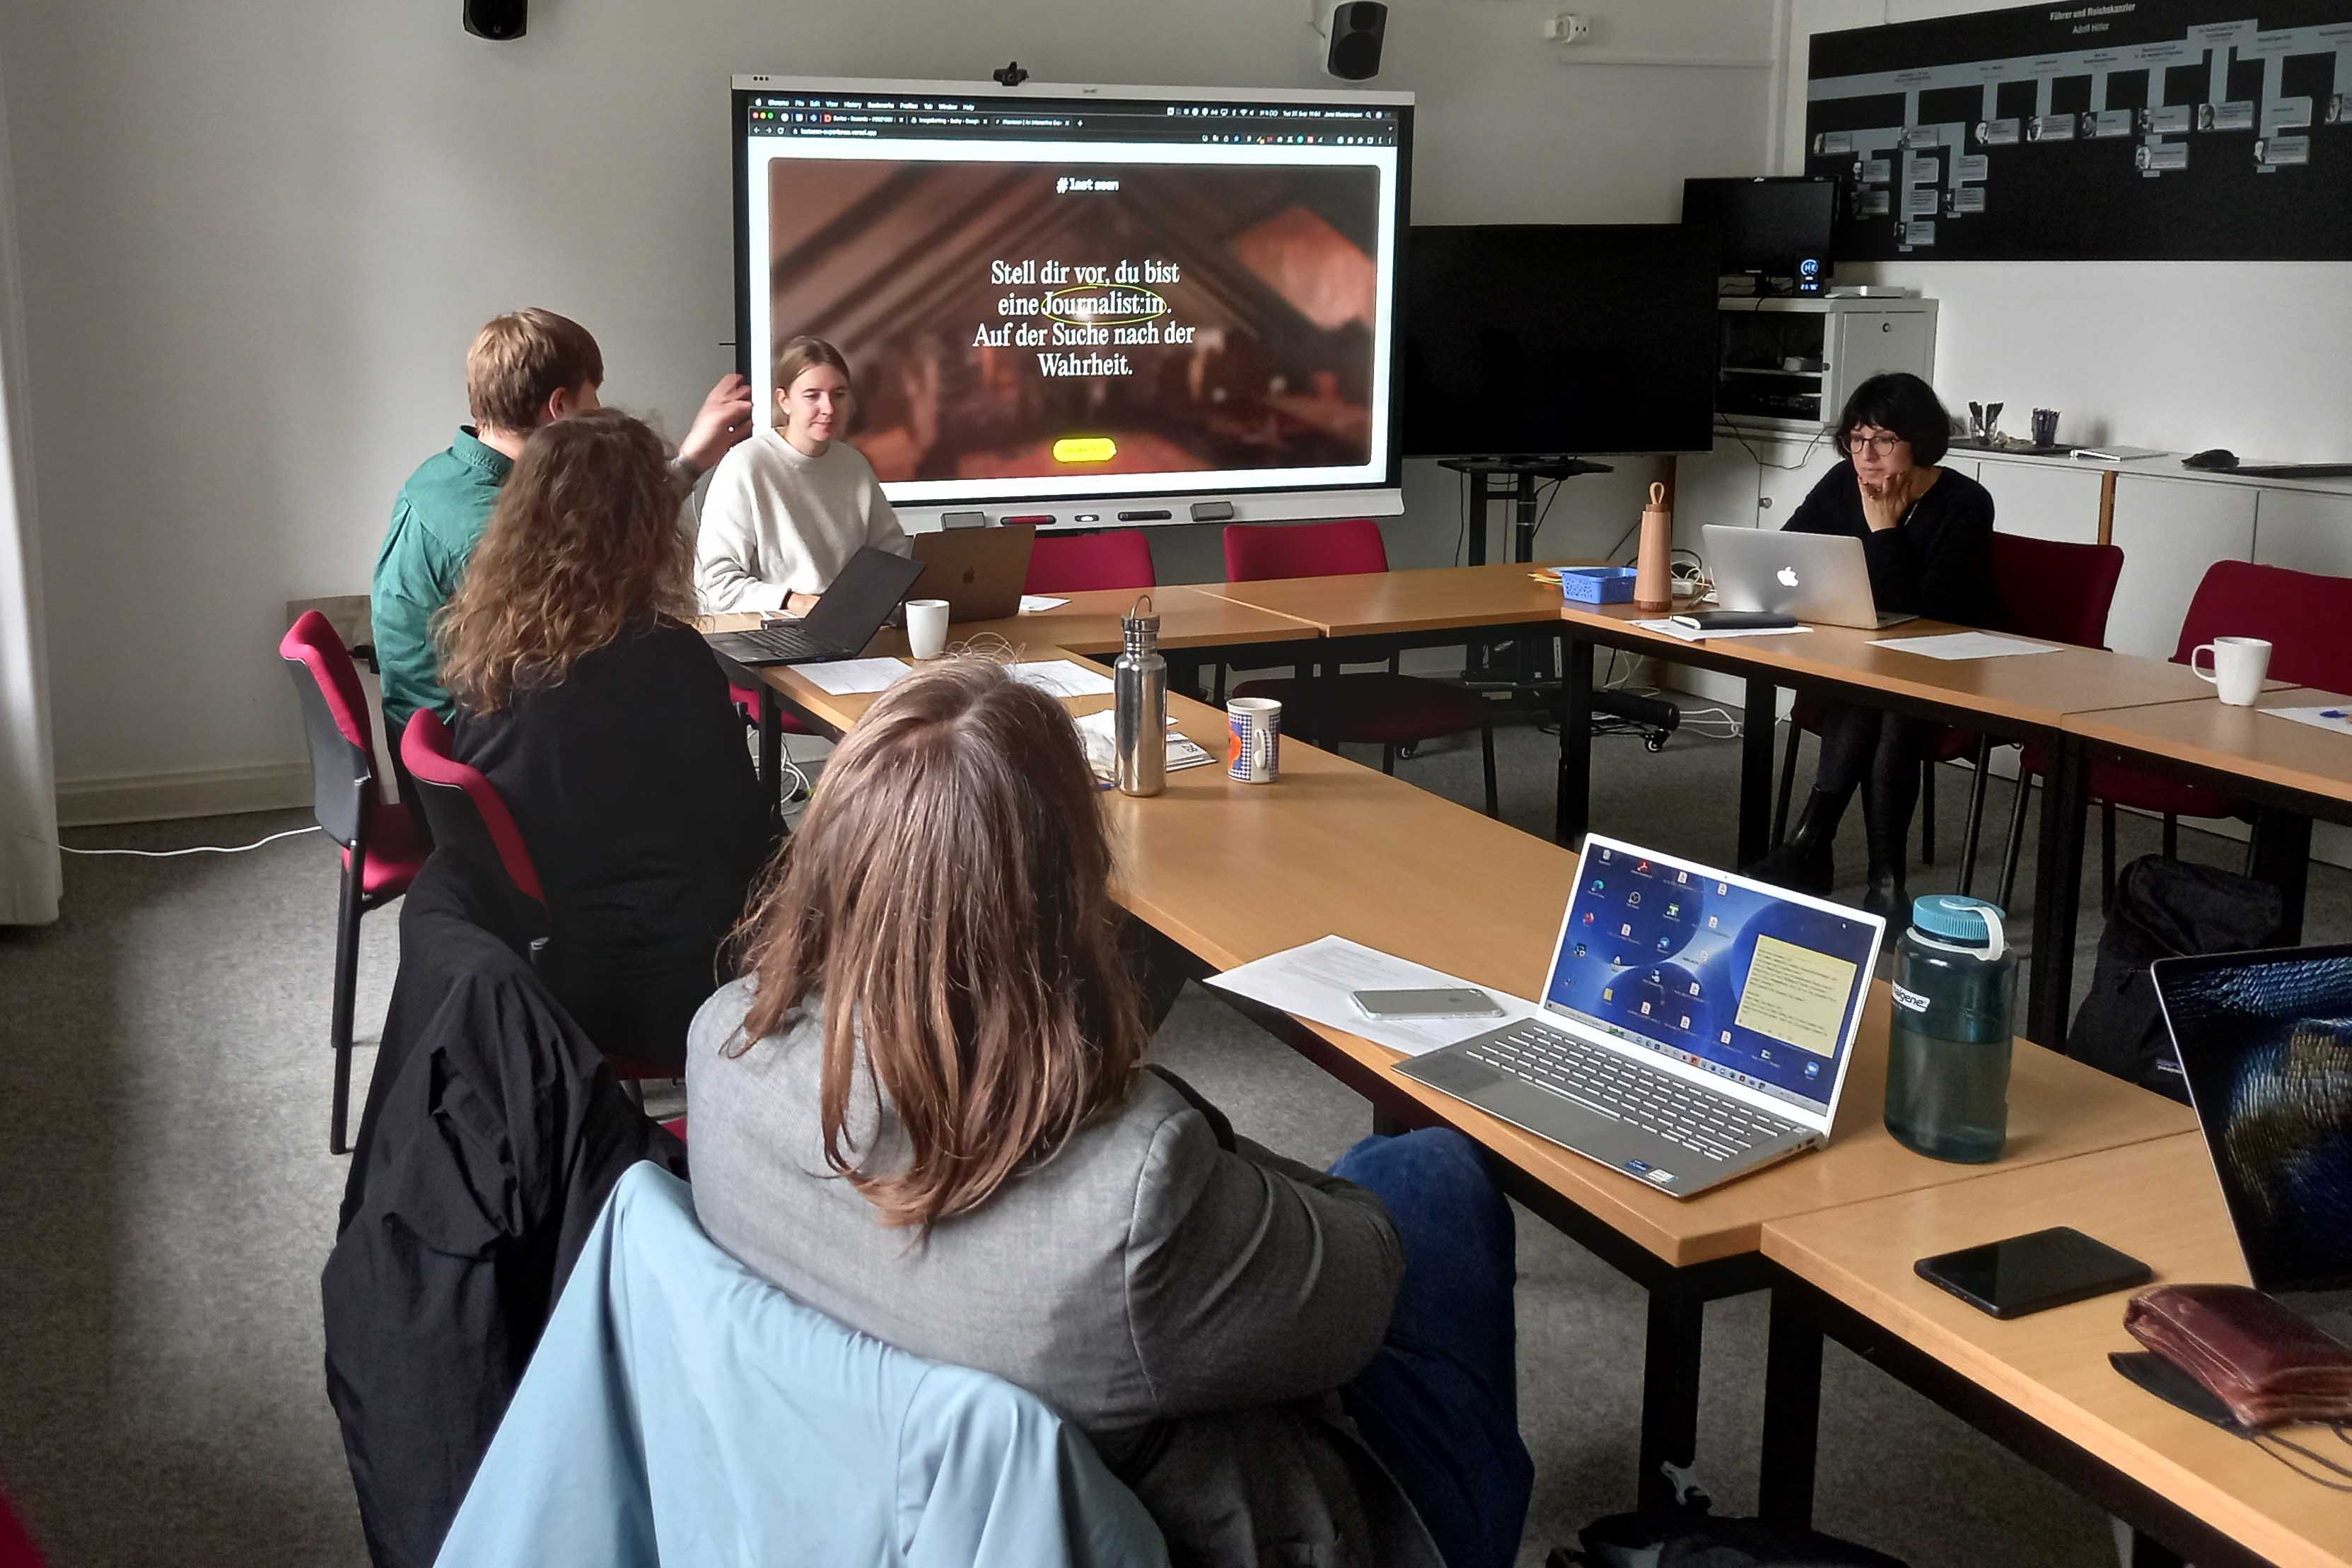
(2262, 1042)
(1696, 1025)
(1810, 577)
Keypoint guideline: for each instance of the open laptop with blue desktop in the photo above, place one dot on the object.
(1695, 1024)
(2266, 1046)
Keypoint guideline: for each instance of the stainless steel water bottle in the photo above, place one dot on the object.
(1141, 683)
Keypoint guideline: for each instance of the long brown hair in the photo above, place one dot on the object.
(947, 898)
(584, 543)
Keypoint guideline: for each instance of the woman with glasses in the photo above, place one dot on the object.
(1927, 533)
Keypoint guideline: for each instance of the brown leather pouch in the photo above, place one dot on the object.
(2267, 1364)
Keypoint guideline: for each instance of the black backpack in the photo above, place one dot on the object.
(2162, 909)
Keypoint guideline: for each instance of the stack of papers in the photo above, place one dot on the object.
(2336, 719)
(1100, 733)
(846, 677)
(1033, 603)
(1966, 645)
(1316, 982)
(1062, 678)
(1696, 634)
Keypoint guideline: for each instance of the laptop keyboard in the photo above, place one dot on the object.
(786, 642)
(1713, 1125)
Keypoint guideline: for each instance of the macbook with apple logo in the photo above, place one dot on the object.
(1820, 577)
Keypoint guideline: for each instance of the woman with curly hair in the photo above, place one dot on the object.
(604, 722)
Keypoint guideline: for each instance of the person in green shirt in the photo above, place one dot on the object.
(524, 371)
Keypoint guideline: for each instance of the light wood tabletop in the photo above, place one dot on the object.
(1433, 599)
(2037, 690)
(2156, 1200)
(1235, 872)
(2242, 741)
(1088, 622)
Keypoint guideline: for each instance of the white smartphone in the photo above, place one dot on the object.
(1432, 1002)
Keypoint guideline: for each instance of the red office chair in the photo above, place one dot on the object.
(1075, 563)
(2053, 591)
(469, 818)
(17, 1548)
(382, 845)
(2309, 619)
(1387, 709)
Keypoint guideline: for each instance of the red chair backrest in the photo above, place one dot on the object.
(1257, 551)
(2307, 617)
(464, 809)
(2057, 592)
(335, 719)
(1074, 563)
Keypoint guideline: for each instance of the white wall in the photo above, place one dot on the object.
(258, 235)
(2181, 355)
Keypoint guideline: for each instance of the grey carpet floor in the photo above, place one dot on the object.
(169, 1200)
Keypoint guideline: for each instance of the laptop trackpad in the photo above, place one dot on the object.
(1455, 1073)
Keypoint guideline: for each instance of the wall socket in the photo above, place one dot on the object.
(1567, 27)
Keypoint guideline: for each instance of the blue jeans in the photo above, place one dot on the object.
(1440, 1403)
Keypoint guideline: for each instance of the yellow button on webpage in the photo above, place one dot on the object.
(1084, 449)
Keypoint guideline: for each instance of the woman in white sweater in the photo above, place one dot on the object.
(789, 507)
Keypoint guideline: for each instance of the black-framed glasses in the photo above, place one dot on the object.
(1882, 445)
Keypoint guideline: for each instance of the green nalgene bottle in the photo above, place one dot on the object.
(1947, 1055)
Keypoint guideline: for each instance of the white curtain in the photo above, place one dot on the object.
(29, 878)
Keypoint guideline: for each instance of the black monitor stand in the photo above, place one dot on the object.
(1522, 666)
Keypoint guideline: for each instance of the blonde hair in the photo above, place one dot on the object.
(519, 361)
(583, 544)
(948, 897)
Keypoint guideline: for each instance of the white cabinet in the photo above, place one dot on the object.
(2306, 530)
(1789, 478)
(2043, 500)
(1872, 342)
(2171, 530)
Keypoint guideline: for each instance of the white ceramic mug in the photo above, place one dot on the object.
(927, 627)
(1254, 754)
(2239, 665)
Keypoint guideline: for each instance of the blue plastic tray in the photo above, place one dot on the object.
(1597, 584)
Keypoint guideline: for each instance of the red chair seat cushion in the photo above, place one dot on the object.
(2129, 786)
(396, 852)
(1372, 709)
(747, 699)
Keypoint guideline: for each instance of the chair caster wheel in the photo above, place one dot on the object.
(1655, 743)
(1409, 750)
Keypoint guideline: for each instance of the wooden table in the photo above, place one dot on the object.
(1235, 872)
(2042, 1383)
(1390, 605)
(2029, 697)
(2292, 772)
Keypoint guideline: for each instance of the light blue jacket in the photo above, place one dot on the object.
(680, 1410)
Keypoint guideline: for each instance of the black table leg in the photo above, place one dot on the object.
(2283, 859)
(1792, 1411)
(1575, 808)
(1670, 1363)
(2057, 891)
(1758, 726)
(772, 748)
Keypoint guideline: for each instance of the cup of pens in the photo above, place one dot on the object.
(2045, 427)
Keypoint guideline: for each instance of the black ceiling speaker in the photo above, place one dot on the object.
(498, 20)
(1353, 40)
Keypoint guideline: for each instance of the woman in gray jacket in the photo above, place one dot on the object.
(922, 1112)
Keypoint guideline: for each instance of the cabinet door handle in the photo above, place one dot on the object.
(1886, 326)
(1765, 504)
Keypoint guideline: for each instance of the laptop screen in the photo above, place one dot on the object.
(2265, 1042)
(1745, 981)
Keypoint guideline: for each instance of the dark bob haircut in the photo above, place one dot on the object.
(1905, 406)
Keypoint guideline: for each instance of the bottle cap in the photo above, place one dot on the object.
(1949, 917)
(1140, 626)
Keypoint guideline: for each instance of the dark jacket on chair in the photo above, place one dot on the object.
(492, 1134)
(634, 790)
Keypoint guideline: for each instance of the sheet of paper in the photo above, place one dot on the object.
(1031, 603)
(1062, 678)
(1315, 981)
(845, 677)
(2336, 719)
(1966, 645)
(1694, 634)
(1100, 733)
